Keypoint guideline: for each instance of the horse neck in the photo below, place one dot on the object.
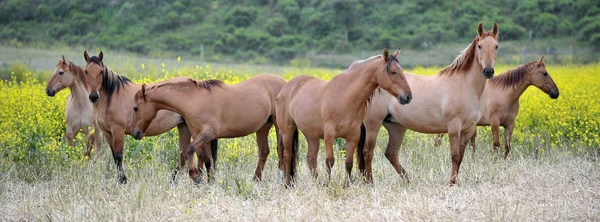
(360, 84)
(78, 91)
(515, 92)
(168, 99)
(474, 78)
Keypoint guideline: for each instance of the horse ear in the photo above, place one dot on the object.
(480, 29)
(495, 29)
(397, 52)
(386, 54)
(64, 60)
(86, 56)
(144, 91)
(100, 56)
(542, 59)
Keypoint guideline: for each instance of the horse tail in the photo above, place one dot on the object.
(360, 155)
(214, 147)
(295, 149)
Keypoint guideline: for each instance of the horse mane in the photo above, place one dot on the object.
(77, 71)
(199, 84)
(512, 77)
(111, 81)
(463, 62)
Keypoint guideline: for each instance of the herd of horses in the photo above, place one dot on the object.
(353, 105)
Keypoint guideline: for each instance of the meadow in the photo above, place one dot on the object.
(551, 174)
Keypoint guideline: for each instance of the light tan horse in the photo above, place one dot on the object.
(500, 99)
(326, 110)
(447, 102)
(214, 110)
(112, 96)
(79, 111)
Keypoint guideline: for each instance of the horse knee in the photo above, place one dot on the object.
(349, 164)
(456, 158)
(264, 153)
(329, 161)
(389, 155)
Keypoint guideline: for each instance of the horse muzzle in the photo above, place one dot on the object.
(94, 97)
(554, 94)
(405, 99)
(138, 134)
(488, 72)
(50, 92)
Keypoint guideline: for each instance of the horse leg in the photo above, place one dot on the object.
(97, 135)
(185, 138)
(118, 141)
(329, 159)
(454, 135)
(70, 135)
(437, 141)
(508, 129)
(396, 137)
(311, 155)
(262, 140)
(351, 143)
(287, 136)
(473, 140)
(495, 124)
(89, 141)
(203, 137)
(369, 148)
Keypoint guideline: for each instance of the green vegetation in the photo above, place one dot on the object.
(262, 31)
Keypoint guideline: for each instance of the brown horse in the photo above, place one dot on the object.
(214, 110)
(447, 102)
(79, 111)
(112, 96)
(326, 110)
(500, 99)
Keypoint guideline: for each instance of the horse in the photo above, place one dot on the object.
(500, 99)
(447, 102)
(214, 110)
(79, 112)
(336, 108)
(112, 96)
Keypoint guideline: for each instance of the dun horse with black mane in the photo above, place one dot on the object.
(112, 96)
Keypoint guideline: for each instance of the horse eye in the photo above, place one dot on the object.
(394, 73)
(135, 108)
(479, 46)
(86, 72)
(545, 73)
(60, 73)
(496, 46)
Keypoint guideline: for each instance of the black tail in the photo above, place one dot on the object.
(214, 147)
(360, 155)
(295, 149)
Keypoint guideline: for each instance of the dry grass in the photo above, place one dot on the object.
(557, 185)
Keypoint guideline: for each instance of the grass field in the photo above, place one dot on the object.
(552, 173)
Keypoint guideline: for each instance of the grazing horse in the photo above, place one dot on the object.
(214, 110)
(79, 112)
(447, 102)
(326, 110)
(112, 96)
(500, 99)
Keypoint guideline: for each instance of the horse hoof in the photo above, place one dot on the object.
(123, 179)
(197, 180)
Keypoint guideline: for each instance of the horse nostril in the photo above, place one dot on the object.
(50, 92)
(93, 97)
(409, 97)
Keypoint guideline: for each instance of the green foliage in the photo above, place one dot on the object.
(264, 27)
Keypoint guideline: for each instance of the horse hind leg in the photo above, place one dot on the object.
(185, 138)
(262, 140)
(507, 137)
(437, 141)
(311, 155)
(396, 137)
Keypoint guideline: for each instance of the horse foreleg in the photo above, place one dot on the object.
(454, 135)
(351, 143)
(203, 137)
(495, 124)
(437, 141)
(262, 140)
(508, 129)
(396, 137)
(185, 138)
(118, 141)
(366, 167)
(311, 155)
(473, 140)
(70, 135)
(329, 159)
